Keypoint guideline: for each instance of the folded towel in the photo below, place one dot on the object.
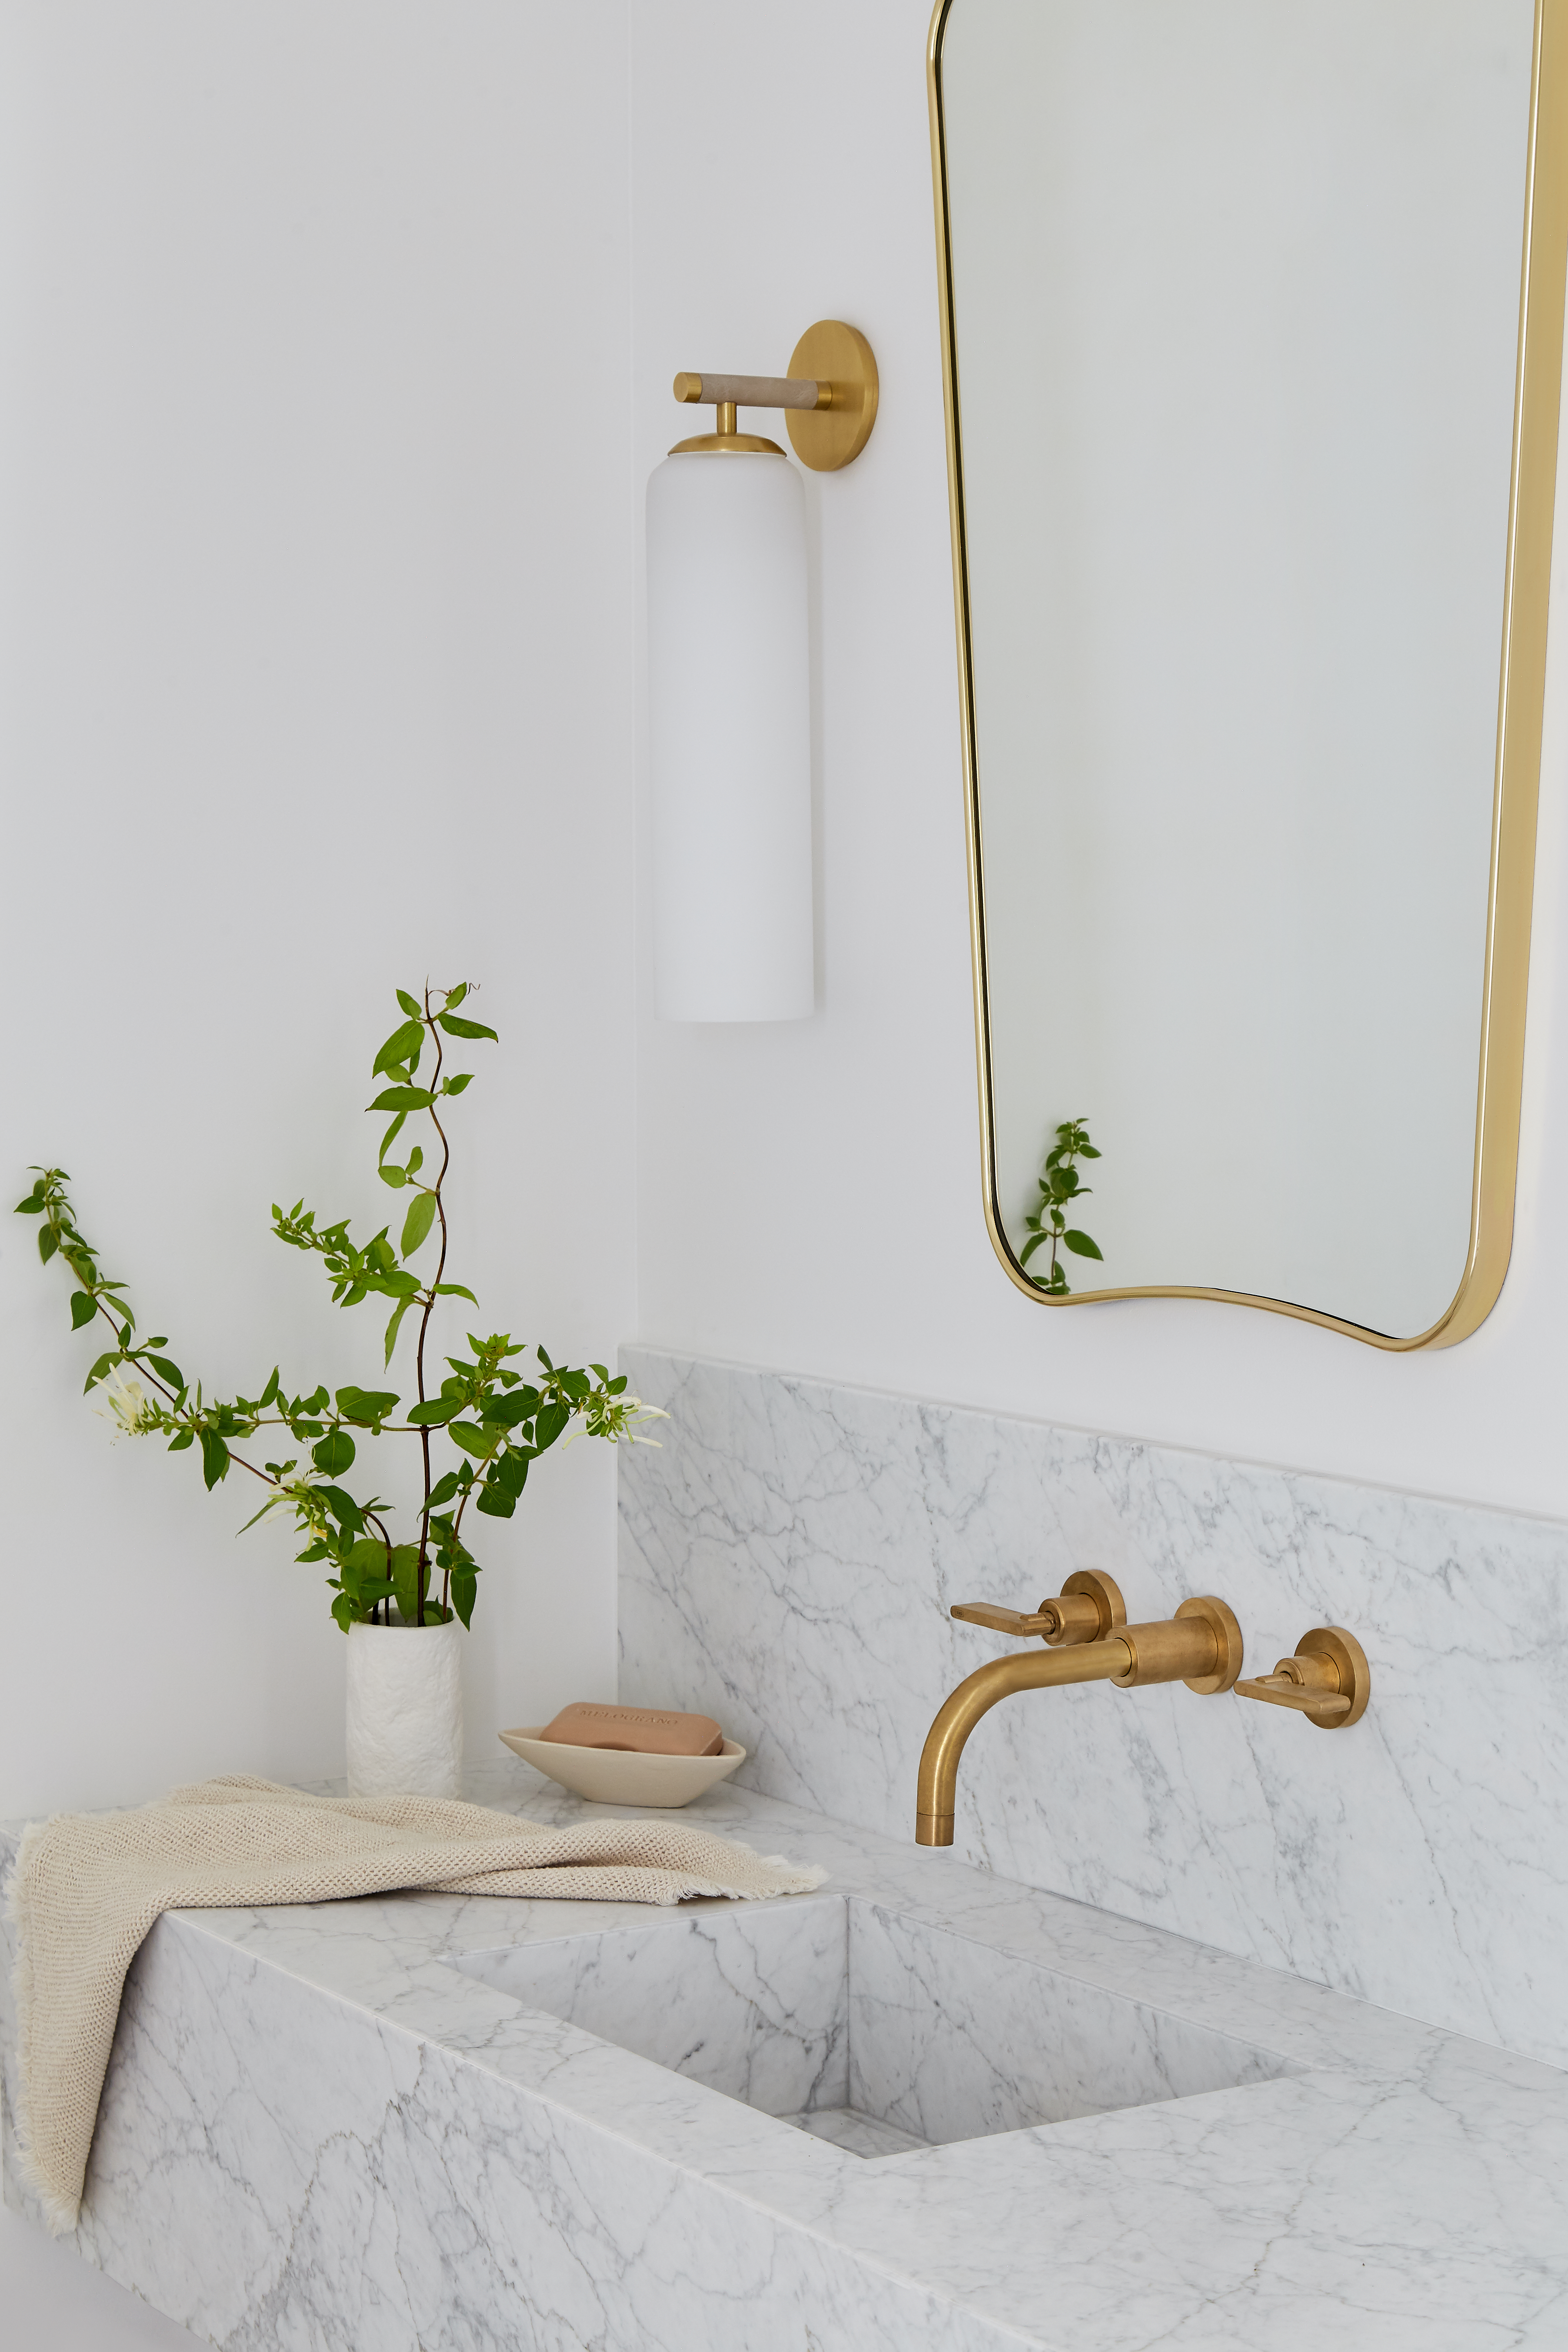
(87, 1886)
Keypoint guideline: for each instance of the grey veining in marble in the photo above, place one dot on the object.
(846, 2006)
(323, 2127)
(787, 1563)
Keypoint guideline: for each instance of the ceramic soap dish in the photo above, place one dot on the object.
(623, 1776)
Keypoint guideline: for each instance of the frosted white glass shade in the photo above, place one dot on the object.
(730, 713)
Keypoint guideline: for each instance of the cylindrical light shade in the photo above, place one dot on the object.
(729, 708)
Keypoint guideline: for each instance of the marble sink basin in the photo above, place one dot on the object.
(866, 2026)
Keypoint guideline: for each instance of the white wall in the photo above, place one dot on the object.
(315, 629)
(306, 554)
(809, 1194)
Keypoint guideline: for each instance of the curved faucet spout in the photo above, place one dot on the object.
(1200, 1645)
(1091, 1662)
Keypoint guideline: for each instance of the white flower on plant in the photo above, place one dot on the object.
(622, 1416)
(638, 1414)
(125, 1405)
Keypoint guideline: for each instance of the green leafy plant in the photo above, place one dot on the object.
(1048, 1226)
(498, 1421)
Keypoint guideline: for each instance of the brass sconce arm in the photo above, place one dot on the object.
(755, 391)
(1201, 1646)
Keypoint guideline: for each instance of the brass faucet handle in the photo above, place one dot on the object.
(1045, 1621)
(1327, 1680)
(1281, 1688)
(1088, 1607)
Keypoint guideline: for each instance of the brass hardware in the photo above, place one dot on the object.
(1327, 1680)
(738, 445)
(756, 391)
(829, 397)
(1201, 1646)
(1090, 1604)
(1007, 1621)
(1527, 580)
(828, 438)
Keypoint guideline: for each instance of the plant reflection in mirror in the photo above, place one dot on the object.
(1048, 1226)
(499, 1422)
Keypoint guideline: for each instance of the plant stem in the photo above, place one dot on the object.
(429, 1303)
(265, 1475)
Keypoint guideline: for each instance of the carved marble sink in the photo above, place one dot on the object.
(867, 2027)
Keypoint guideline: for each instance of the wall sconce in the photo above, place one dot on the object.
(730, 688)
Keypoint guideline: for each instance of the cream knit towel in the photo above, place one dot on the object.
(87, 1886)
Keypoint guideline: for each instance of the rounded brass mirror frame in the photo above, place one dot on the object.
(1521, 694)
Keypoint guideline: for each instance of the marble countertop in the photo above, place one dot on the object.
(319, 2129)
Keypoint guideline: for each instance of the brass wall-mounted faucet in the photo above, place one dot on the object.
(1088, 1641)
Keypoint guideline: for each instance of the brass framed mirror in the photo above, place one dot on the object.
(1252, 451)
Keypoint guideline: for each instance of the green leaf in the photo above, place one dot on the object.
(393, 1132)
(465, 1587)
(417, 1224)
(550, 1425)
(402, 1045)
(432, 1415)
(31, 1207)
(454, 996)
(456, 1028)
(511, 1473)
(49, 1242)
(410, 1004)
(104, 1364)
(344, 1610)
(84, 1306)
(1080, 1244)
(1029, 1248)
(215, 1458)
(445, 1489)
(343, 1508)
(393, 1176)
(366, 1405)
(401, 1099)
(334, 1452)
(454, 1085)
(473, 1439)
(398, 1312)
(178, 1444)
(504, 1412)
(406, 1581)
(495, 1502)
(167, 1371)
(455, 1290)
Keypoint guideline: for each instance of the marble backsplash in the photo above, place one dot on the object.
(787, 1561)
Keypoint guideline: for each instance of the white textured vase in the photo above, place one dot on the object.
(405, 1710)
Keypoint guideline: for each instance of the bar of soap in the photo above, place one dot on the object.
(645, 1730)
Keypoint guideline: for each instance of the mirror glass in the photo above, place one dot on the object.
(1235, 318)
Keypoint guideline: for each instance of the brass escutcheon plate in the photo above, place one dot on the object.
(1355, 1675)
(1227, 1639)
(1106, 1595)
